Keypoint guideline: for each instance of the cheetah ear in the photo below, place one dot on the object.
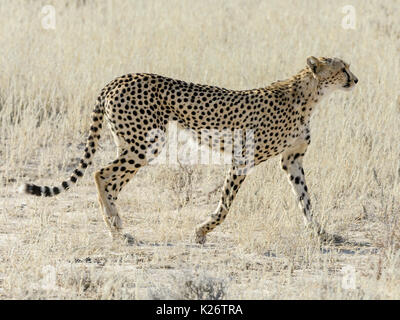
(313, 63)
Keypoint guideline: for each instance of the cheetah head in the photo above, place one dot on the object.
(332, 73)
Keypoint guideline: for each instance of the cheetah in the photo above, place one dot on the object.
(139, 106)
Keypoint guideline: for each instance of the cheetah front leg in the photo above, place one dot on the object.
(233, 180)
(292, 164)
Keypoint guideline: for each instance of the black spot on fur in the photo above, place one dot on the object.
(47, 192)
(78, 173)
(34, 189)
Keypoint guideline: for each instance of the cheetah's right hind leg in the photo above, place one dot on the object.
(109, 182)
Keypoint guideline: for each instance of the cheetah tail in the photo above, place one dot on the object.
(86, 160)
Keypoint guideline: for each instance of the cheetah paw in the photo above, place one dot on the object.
(331, 238)
(128, 239)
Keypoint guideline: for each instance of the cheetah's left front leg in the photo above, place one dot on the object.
(292, 164)
(233, 181)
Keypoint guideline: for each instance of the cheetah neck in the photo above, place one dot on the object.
(307, 91)
(301, 91)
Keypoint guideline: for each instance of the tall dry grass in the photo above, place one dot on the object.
(49, 80)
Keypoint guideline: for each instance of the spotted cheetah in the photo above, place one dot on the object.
(138, 108)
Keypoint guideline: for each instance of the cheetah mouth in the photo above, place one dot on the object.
(348, 86)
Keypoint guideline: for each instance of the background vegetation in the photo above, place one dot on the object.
(49, 79)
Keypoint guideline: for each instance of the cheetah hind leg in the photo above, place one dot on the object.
(110, 214)
(109, 182)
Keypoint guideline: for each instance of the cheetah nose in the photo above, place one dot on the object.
(355, 80)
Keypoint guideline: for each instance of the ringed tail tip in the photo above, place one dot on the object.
(38, 191)
(23, 188)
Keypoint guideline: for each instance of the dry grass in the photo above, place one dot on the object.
(59, 247)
